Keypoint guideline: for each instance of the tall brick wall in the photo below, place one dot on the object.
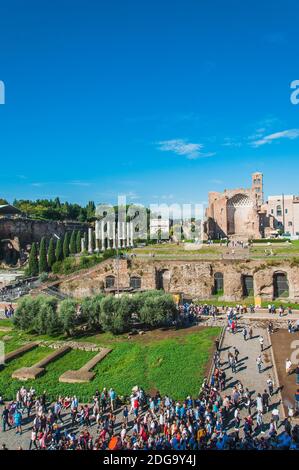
(30, 230)
(193, 278)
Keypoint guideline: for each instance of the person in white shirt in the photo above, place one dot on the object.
(288, 366)
(259, 403)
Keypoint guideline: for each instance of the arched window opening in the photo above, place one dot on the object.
(218, 284)
(109, 282)
(247, 285)
(280, 285)
(135, 282)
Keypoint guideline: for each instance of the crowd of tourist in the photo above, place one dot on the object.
(218, 418)
(195, 311)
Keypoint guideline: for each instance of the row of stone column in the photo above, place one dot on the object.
(119, 235)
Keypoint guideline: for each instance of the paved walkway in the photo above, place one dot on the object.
(247, 372)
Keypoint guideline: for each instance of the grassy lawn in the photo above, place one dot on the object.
(6, 322)
(257, 251)
(175, 365)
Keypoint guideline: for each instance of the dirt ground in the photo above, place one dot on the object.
(282, 341)
(167, 333)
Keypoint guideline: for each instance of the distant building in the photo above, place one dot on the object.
(284, 212)
(159, 227)
(236, 213)
(9, 211)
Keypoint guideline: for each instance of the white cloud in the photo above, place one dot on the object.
(216, 181)
(80, 183)
(229, 142)
(268, 139)
(182, 147)
(164, 197)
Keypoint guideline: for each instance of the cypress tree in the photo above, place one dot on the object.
(73, 244)
(78, 241)
(33, 261)
(59, 250)
(42, 263)
(66, 245)
(51, 254)
(85, 241)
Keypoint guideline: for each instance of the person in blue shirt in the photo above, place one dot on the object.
(18, 421)
(112, 396)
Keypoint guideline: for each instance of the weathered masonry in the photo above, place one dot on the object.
(228, 279)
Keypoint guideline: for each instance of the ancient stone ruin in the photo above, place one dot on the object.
(38, 369)
(84, 374)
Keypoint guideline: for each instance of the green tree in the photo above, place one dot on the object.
(91, 310)
(90, 210)
(67, 316)
(59, 250)
(51, 254)
(33, 261)
(25, 313)
(78, 241)
(66, 245)
(46, 306)
(73, 245)
(158, 310)
(54, 326)
(57, 267)
(85, 241)
(42, 262)
(115, 314)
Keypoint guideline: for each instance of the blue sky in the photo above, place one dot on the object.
(159, 100)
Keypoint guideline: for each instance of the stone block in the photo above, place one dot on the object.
(27, 373)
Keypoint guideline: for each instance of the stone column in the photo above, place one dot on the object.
(108, 234)
(90, 249)
(82, 245)
(103, 237)
(119, 235)
(114, 235)
(97, 249)
(132, 234)
(124, 234)
(128, 234)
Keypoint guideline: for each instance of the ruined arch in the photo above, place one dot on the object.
(239, 214)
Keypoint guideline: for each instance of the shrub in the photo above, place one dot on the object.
(91, 310)
(45, 308)
(33, 313)
(43, 277)
(158, 310)
(68, 265)
(114, 316)
(25, 313)
(57, 267)
(67, 316)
